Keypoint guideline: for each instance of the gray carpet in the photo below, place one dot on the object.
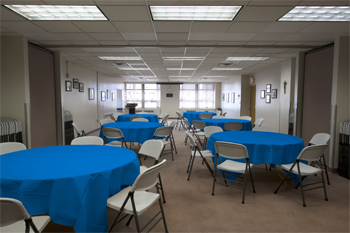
(190, 207)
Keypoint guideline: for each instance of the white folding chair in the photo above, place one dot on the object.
(198, 126)
(80, 131)
(106, 121)
(309, 154)
(140, 119)
(180, 120)
(136, 199)
(113, 134)
(8, 147)
(87, 140)
(209, 130)
(258, 122)
(15, 218)
(205, 116)
(153, 149)
(245, 118)
(164, 120)
(230, 151)
(264, 129)
(233, 126)
(134, 117)
(165, 133)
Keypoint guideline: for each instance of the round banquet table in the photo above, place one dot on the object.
(263, 147)
(247, 125)
(70, 183)
(134, 131)
(194, 116)
(126, 117)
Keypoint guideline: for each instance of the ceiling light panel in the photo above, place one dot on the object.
(58, 12)
(112, 58)
(246, 58)
(212, 13)
(318, 13)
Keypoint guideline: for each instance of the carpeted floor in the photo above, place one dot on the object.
(190, 207)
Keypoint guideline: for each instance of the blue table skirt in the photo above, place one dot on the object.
(134, 131)
(70, 183)
(126, 117)
(247, 125)
(194, 116)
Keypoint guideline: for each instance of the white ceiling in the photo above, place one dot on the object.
(130, 31)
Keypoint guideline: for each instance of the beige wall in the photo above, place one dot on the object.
(233, 85)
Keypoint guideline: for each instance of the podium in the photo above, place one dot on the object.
(130, 108)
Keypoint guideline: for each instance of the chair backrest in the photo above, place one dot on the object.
(152, 148)
(80, 131)
(258, 122)
(165, 119)
(209, 130)
(162, 115)
(134, 117)
(87, 140)
(312, 153)
(179, 115)
(140, 119)
(265, 129)
(215, 117)
(199, 124)
(116, 114)
(172, 124)
(163, 131)
(192, 140)
(231, 150)
(105, 121)
(8, 147)
(319, 139)
(233, 126)
(112, 117)
(224, 114)
(112, 133)
(147, 179)
(245, 118)
(205, 116)
(12, 211)
(187, 123)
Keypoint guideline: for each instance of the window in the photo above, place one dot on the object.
(145, 95)
(197, 96)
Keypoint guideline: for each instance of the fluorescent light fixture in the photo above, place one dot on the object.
(110, 58)
(58, 12)
(130, 68)
(218, 68)
(181, 68)
(318, 13)
(183, 58)
(246, 58)
(212, 13)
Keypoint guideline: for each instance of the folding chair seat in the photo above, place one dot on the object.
(140, 119)
(196, 152)
(87, 140)
(309, 154)
(233, 126)
(112, 137)
(230, 151)
(198, 126)
(245, 118)
(8, 147)
(165, 134)
(79, 130)
(136, 199)
(15, 218)
(217, 117)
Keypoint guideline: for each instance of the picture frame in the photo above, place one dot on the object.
(103, 96)
(113, 96)
(75, 83)
(108, 94)
(274, 94)
(228, 97)
(268, 88)
(91, 93)
(81, 87)
(223, 96)
(268, 99)
(262, 94)
(68, 85)
(232, 97)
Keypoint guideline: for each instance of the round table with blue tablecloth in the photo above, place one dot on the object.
(246, 125)
(126, 117)
(70, 183)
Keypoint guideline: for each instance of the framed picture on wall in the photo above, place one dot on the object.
(81, 87)
(75, 83)
(268, 88)
(268, 99)
(228, 97)
(262, 94)
(113, 96)
(68, 86)
(223, 96)
(274, 93)
(108, 94)
(91, 94)
(103, 96)
(232, 97)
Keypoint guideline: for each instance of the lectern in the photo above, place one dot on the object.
(130, 108)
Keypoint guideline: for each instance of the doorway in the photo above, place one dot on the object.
(252, 102)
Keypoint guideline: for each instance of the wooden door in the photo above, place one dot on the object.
(252, 102)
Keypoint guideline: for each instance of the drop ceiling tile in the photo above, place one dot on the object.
(54, 42)
(326, 27)
(219, 55)
(113, 42)
(173, 54)
(83, 42)
(146, 55)
(205, 36)
(95, 26)
(247, 27)
(232, 43)
(317, 44)
(142, 43)
(9, 15)
(22, 27)
(73, 36)
(325, 3)
(186, 72)
(223, 50)
(41, 36)
(270, 36)
(106, 36)
(290, 43)
(172, 26)
(172, 50)
(261, 43)
(237, 37)
(172, 36)
(207, 26)
(274, 2)
(126, 13)
(274, 50)
(262, 13)
(140, 36)
(194, 42)
(309, 37)
(109, 49)
(69, 2)
(172, 43)
(286, 27)
(57, 26)
(134, 27)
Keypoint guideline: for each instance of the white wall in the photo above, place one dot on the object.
(233, 85)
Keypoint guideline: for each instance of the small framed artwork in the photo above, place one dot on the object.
(223, 96)
(68, 86)
(232, 97)
(274, 94)
(103, 96)
(113, 96)
(262, 94)
(75, 83)
(91, 94)
(81, 87)
(108, 94)
(268, 88)
(228, 97)
(268, 99)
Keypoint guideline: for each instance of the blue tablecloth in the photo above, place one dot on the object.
(195, 116)
(134, 131)
(247, 125)
(150, 117)
(71, 183)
